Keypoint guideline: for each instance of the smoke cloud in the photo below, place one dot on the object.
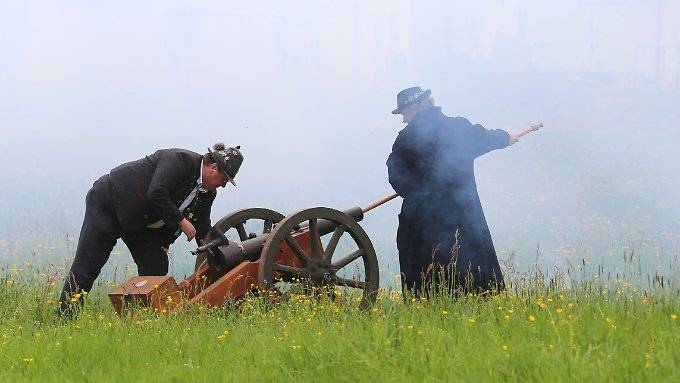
(307, 90)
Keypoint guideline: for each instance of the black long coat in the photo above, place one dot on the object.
(432, 167)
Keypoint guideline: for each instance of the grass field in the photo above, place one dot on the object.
(581, 333)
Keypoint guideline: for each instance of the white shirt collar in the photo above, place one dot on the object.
(199, 181)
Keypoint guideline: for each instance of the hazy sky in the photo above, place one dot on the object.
(306, 88)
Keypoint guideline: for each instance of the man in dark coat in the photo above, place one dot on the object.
(442, 228)
(147, 203)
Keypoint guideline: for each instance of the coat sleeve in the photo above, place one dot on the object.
(480, 140)
(203, 225)
(402, 167)
(169, 175)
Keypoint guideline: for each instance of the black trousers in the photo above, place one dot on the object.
(98, 236)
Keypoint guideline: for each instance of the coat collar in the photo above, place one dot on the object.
(427, 115)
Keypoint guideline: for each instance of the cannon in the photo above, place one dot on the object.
(312, 250)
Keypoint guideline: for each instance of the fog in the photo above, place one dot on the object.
(306, 89)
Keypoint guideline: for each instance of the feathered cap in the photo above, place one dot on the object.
(228, 160)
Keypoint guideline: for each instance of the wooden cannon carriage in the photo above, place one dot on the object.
(301, 249)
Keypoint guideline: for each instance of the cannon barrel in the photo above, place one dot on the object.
(226, 257)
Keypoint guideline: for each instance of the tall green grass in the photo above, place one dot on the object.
(534, 331)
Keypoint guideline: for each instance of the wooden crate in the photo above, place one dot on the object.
(158, 292)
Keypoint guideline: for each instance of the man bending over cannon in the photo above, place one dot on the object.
(147, 203)
(442, 228)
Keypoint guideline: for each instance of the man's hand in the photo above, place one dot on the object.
(187, 228)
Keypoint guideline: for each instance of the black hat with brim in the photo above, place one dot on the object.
(410, 96)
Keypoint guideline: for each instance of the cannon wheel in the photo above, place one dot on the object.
(237, 221)
(320, 266)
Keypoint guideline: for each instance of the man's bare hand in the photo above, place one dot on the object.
(187, 228)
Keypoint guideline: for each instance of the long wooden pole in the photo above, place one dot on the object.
(380, 202)
(530, 129)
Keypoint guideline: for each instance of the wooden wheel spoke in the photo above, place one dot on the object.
(357, 284)
(346, 260)
(297, 250)
(333, 242)
(315, 238)
(241, 230)
(290, 270)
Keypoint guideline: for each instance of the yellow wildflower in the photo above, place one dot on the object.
(471, 320)
(532, 318)
(674, 316)
(504, 347)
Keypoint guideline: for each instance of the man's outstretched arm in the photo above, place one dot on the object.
(480, 140)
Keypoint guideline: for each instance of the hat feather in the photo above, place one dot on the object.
(218, 146)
